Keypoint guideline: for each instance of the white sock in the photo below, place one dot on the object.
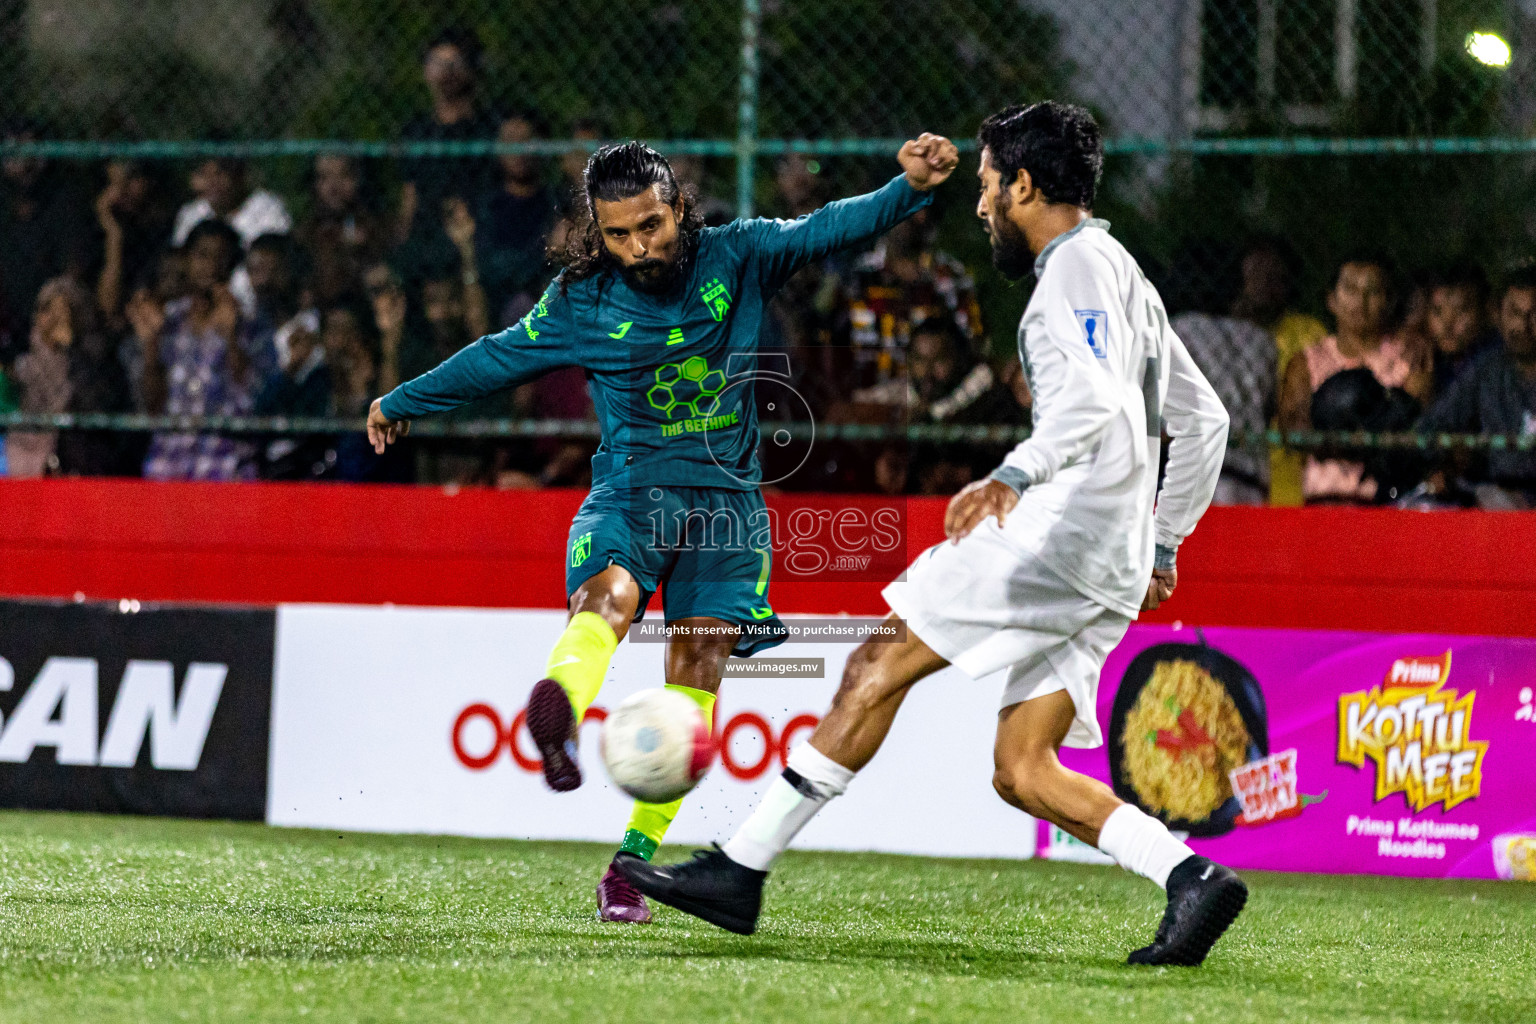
(1141, 844)
(810, 779)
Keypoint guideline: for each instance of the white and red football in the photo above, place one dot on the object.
(657, 745)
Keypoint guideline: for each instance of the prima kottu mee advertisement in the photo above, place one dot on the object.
(1326, 751)
(1270, 749)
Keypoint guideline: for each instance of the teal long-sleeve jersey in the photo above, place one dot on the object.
(671, 376)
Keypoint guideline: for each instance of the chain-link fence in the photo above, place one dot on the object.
(1330, 122)
(1323, 128)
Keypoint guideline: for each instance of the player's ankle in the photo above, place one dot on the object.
(639, 844)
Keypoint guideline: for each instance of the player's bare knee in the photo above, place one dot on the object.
(1002, 782)
(610, 594)
(1019, 780)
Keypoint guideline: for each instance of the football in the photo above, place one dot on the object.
(657, 745)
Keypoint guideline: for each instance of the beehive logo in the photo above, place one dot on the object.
(686, 389)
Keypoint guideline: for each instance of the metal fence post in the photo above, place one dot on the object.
(746, 118)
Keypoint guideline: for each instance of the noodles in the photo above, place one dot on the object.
(1520, 851)
(1180, 740)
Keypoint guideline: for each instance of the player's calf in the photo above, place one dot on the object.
(876, 679)
(1038, 784)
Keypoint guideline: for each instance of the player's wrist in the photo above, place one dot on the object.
(1012, 478)
(1165, 557)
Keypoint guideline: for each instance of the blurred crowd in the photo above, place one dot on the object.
(1442, 351)
(132, 289)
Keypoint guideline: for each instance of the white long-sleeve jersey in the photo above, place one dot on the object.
(1109, 378)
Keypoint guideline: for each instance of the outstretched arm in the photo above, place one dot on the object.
(536, 344)
(782, 247)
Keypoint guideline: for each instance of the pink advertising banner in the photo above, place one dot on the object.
(1334, 752)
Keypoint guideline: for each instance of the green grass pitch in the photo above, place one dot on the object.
(132, 919)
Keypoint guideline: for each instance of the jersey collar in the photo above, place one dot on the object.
(1091, 222)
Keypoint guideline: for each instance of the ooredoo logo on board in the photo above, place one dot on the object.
(749, 744)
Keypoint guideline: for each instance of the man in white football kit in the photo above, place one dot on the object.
(1048, 560)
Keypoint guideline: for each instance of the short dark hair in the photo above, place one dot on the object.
(1057, 143)
(15, 126)
(461, 38)
(532, 118)
(944, 327)
(1368, 258)
(218, 229)
(1522, 278)
(1459, 277)
(279, 243)
(233, 166)
(215, 228)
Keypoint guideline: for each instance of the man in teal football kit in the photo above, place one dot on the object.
(663, 314)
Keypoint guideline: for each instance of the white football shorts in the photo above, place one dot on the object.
(985, 604)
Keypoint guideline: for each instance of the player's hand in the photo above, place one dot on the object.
(928, 160)
(458, 224)
(389, 316)
(224, 316)
(979, 500)
(1160, 589)
(381, 431)
(147, 317)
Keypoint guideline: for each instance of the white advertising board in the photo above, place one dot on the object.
(401, 720)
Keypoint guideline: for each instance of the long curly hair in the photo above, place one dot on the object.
(614, 173)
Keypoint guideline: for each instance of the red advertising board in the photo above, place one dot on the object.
(1315, 568)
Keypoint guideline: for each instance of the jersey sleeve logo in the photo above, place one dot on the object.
(1095, 327)
(542, 309)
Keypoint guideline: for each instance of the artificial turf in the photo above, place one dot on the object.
(139, 919)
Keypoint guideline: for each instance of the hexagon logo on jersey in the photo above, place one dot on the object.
(686, 389)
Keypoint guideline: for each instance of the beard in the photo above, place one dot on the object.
(653, 276)
(1010, 249)
(661, 277)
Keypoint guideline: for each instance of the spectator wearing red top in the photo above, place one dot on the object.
(1361, 304)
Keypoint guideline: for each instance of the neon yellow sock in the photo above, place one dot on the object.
(580, 659)
(648, 823)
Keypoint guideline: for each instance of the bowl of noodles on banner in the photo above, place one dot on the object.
(1185, 715)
